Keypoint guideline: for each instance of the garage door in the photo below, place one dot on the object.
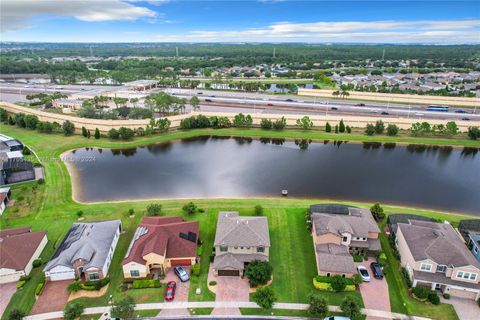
(180, 262)
(463, 294)
(231, 273)
(57, 276)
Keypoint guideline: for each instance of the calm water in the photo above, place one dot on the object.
(433, 177)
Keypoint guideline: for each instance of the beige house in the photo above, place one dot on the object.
(238, 241)
(68, 105)
(435, 255)
(160, 243)
(339, 232)
(19, 247)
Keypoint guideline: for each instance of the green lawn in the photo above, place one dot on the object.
(50, 207)
(201, 311)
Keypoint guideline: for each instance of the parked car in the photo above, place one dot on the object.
(200, 93)
(363, 272)
(460, 111)
(333, 108)
(170, 292)
(377, 270)
(385, 113)
(360, 104)
(336, 318)
(181, 274)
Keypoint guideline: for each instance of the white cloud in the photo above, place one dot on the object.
(15, 14)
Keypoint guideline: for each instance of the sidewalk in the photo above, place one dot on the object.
(222, 304)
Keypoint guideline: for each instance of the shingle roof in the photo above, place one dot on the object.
(86, 240)
(472, 225)
(17, 247)
(236, 261)
(234, 230)
(161, 235)
(394, 219)
(438, 242)
(359, 224)
(334, 258)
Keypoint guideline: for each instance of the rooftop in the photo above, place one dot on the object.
(334, 258)
(358, 222)
(17, 246)
(234, 230)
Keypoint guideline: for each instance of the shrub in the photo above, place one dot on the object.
(350, 307)
(20, 284)
(318, 306)
(123, 308)
(258, 272)
(154, 209)
(95, 285)
(16, 314)
(338, 283)
(421, 292)
(279, 124)
(377, 212)
(349, 129)
(258, 210)
(305, 123)
(446, 296)
(72, 311)
(41, 181)
(79, 213)
(379, 127)
(357, 279)
(131, 212)
(97, 134)
(433, 298)
(74, 286)
(240, 120)
(37, 263)
(68, 128)
(326, 286)
(146, 283)
(336, 128)
(39, 288)
(392, 130)
(84, 132)
(474, 133)
(328, 127)
(266, 124)
(406, 277)
(341, 126)
(125, 133)
(25, 278)
(326, 279)
(264, 297)
(196, 270)
(370, 130)
(212, 283)
(189, 208)
(357, 258)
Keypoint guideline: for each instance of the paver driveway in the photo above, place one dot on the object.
(229, 289)
(181, 294)
(466, 309)
(6, 292)
(54, 297)
(374, 293)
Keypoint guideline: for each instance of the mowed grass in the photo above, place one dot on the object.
(50, 207)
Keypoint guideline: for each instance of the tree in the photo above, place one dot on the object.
(97, 134)
(124, 308)
(349, 129)
(318, 306)
(350, 307)
(305, 123)
(338, 283)
(189, 208)
(72, 311)
(451, 128)
(328, 127)
(113, 134)
(336, 128)
(68, 128)
(163, 124)
(379, 127)
(88, 134)
(474, 133)
(377, 211)
(3, 115)
(84, 132)
(370, 129)
(31, 121)
(258, 272)
(16, 314)
(126, 133)
(195, 103)
(264, 297)
(392, 130)
(266, 124)
(280, 124)
(341, 126)
(258, 210)
(240, 120)
(154, 209)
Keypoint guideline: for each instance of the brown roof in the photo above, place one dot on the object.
(161, 235)
(17, 246)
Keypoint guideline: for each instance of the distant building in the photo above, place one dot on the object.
(68, 105)
(141, 85)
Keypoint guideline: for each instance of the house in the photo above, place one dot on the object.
(394, 219)
(339, 232)
(10, 144)
(238, 241)
(434, 255)
(68, 105)
(469, 227)
(5, 194)
(86, 251)
(19, 247)
(474, 245)
(160, 243)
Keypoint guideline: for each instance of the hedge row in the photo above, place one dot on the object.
(327, 287)
(325, 279)
(146, 283)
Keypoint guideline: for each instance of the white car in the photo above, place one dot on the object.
(363, 273)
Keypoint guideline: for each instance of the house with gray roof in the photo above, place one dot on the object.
(339, 232)
(86, 251)
(238, 241)
(435, 255)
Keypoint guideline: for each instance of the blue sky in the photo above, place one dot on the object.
(442, 22)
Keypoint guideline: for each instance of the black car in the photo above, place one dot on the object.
(376, 270)
(360, 104)
(385, 113)
(466, 119)
(333, 108)
(289, 100)
(460, 111)
(208, 100)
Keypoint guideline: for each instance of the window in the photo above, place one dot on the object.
(426, 267)
(473, 276)
(344, 239)
(364, 239)
(241, 248)
(459, 274)
(466, 275)
(223, 248)
(441, 268)
(475, 249)
(236, 248)
(93, 276)
(134, 273)
(260, 249)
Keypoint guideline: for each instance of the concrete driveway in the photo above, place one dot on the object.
(374, 293)
(54, 297)
(466, 309)
(6, 292)
(181, 294)
(229, 289)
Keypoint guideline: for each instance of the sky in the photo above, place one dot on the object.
(398, 22)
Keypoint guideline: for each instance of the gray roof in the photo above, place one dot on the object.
(394, 219)
(358, 223)
(234, 230)
(438, 242)
(442, 279)
(334, 258)
(236, 261)
(90, 241)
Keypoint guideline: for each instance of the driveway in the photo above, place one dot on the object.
(229, 289)
(54, 297)
(374, 293)
(466, 309)
(6, 292)
(181, 294)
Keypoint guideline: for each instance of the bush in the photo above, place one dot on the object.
(39, 288)
(196, 270)
(377, 212)
(131, 212)
(16, 314)
(97, 134)
(37, 263)
(68, 128)
(264, 297)
(212, 283)
(279, 124)
(379, 127)
(370, 130)
(240, 120)
(326, 279)
(421, 292)
(258, 272)
(189, 208)
(74, 286)
(318, 306)
(146, 283)
(446, 296)
(326, 286)
(72, 311)
(406, 277)
(305, 123)
(258, 210)
(349, 129)
(336, 128)
(25, 278)
(350, 307)
(154, 209)
(126, 133)
(41, 181)
(84, 132)
(433, 298)
(266, 124)
(95, 285)
(123, 308)
(341, 126)
(79, 213)
(392, 130)
(474, 133)
(328, 127)
(338, 283)
(20, 284)
(113, 134)
(357, 258)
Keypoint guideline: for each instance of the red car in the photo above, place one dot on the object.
(170, 292)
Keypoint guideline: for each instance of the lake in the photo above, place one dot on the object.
(434, 177)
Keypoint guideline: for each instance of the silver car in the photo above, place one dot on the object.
(181, 274)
